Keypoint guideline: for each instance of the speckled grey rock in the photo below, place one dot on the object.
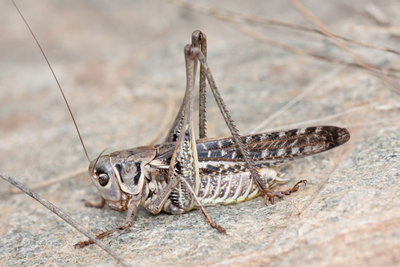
(122, 68)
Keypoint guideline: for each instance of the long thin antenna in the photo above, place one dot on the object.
(55, 77)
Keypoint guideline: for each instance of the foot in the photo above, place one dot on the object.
(99, 205)
(85, 243)
(272, 195)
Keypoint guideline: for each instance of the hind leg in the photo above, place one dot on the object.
(280, 194)
(271, 178)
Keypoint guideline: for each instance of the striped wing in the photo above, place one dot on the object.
(275, 146)
(267, 148)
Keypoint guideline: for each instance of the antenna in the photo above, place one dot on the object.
(55, 77)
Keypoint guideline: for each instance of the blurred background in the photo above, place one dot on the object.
(278, 65)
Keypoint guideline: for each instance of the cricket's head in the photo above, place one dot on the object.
(121, 176)
(104, 178)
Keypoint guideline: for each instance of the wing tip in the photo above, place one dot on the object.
(336, 135)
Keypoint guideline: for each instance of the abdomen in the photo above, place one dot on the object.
(233, 188)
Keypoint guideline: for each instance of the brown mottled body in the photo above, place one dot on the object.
(184, 173)
(223, 176)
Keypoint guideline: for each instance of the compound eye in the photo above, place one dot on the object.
(103, 179)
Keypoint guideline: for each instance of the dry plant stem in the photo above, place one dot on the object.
(60, 213)
(298, 51)
(234, 16)
(321, 27)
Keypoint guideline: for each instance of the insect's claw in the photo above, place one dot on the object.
(103, 234)
(87, 203)
(99, 205)
(270, 196)
(83, 244)
(221, 229)
(295, 188)
(125, 226)
(218, 227)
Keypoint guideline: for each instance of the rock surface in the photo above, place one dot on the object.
(121, 65)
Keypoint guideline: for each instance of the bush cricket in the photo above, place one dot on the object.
(183, 173)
